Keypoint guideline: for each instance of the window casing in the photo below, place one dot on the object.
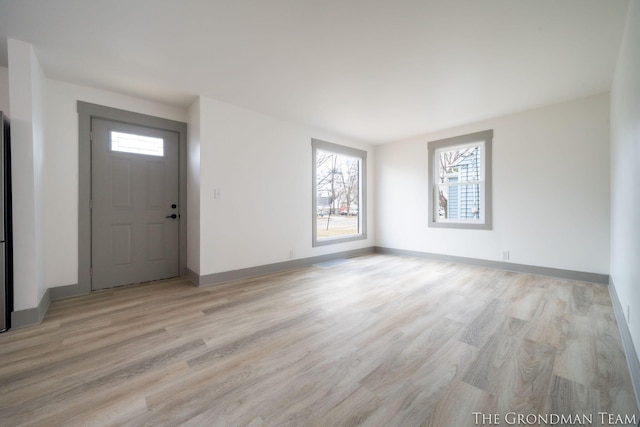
(339, 193)
(460, 181)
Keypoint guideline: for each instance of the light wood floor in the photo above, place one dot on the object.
(376, 341)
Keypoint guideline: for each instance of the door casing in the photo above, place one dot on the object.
(86, 112)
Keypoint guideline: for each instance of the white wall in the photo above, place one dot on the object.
(27, 99)
(193, 188)
(247, 155)
(550, 190)
(625, 164)
(261, 164)
(4, 91)
(262, 167)
(40, 96)
(44, 129)
(61, 140)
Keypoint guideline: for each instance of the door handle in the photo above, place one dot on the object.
(172, 216)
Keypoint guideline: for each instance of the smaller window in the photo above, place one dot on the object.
(460, 181)
(137, 144)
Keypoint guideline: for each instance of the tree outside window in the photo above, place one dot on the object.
(338, 193)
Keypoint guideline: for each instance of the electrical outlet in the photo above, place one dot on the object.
(217, 194)
(290, 253)
(505, 254)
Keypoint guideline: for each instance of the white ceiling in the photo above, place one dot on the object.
(372, 70)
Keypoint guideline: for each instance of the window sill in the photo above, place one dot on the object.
(336, 240)
(461, 225)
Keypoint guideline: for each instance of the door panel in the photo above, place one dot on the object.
(155, 239)
(134, 239)
(121, 244)
(122, 185)
(155, 182)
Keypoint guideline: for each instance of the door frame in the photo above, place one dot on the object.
(87, 112)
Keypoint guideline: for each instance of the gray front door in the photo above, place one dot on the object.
(135, 214)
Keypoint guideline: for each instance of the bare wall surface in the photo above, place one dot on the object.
(193, 187)
(260, 167)
(625, 161)
(550, 190)
(27, 97)
(4, 91)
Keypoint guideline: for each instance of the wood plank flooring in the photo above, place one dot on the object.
(376, 341)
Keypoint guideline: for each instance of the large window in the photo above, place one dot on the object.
(460, 181)
(339, 188)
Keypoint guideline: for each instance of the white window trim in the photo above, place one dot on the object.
(316, 145)
(484, 139)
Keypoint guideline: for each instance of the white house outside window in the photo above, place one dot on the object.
(460, 181)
